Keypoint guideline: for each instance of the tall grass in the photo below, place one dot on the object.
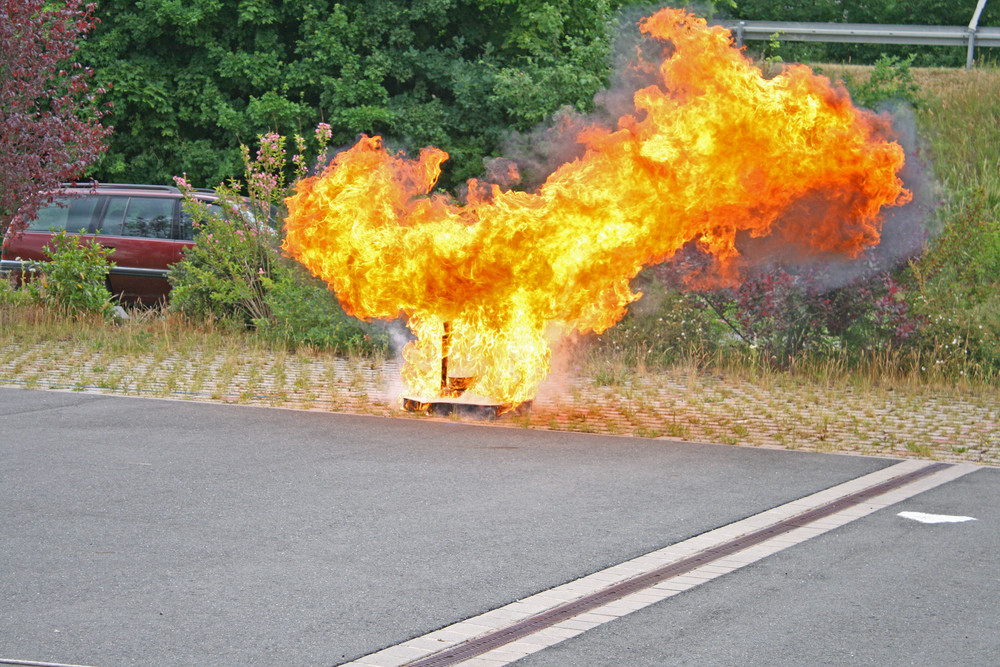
(146, 332)
(961, 121)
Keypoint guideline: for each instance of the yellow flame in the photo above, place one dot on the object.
(713, 150)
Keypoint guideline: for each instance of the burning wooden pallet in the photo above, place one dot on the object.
(454, 399)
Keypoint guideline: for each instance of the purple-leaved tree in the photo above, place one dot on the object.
(50, 117)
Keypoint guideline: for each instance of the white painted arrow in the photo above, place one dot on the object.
(935, 518)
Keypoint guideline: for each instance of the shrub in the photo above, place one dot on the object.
(786, 316)
(235, 270)
(891, 81)
(775, 313)
(75, 279)
(227, 272)
(665, 325)
(782, 316)
(304, 312)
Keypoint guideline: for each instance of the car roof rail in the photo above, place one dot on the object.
(138, 186)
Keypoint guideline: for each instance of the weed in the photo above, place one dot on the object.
(643, 431)
(890, 81)
(921, 450)
(74, 279)
(676, 430)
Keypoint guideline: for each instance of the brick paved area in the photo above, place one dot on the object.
(681, 403)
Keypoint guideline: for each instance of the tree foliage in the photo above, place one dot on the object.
(50, 128)
(193, 80)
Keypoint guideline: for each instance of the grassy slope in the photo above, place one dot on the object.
(960, 122)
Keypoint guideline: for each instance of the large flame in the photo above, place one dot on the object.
(713, 151)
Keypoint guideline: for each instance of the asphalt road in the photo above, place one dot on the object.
(141, 532)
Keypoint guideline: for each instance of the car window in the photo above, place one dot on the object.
(72, 214)
(150, 217)
(114, 216)
(187, 231)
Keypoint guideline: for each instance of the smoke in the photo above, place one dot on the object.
(535, 154)
(563, 368)
(905, 231)
(530, 157)
(399, 337)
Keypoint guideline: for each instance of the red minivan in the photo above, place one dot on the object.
(144, 224)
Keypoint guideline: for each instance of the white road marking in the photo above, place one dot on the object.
(935, 518)
(34, 663)
(508, 615)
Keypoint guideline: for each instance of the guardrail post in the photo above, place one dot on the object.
(739, 34)
(970, 56)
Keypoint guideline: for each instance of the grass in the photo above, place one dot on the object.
(826, 407)
(960, 119)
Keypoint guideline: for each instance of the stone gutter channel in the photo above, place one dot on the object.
(680, 404)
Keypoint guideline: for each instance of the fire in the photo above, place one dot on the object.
(713, 152)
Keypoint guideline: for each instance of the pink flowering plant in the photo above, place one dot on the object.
(235, 270)
(785, 317)
(233, 264)
(227, 272)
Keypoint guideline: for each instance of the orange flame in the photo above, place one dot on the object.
(713, 150)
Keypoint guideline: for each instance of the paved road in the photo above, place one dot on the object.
(138, 532)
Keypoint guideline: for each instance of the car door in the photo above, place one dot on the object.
(140, 230)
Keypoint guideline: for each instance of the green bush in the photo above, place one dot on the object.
(663, 326)
(304, 312)
(75, 280)
(891, 81)
(225, 274)
(235, 271)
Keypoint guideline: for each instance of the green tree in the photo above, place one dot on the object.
(193, 80)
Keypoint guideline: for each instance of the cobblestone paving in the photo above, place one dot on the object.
(681, 404)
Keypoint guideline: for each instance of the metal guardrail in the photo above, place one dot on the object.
(866, 33)
(969, 36)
